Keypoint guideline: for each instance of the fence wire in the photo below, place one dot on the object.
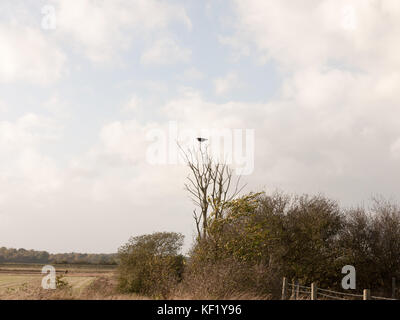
(329, 296)
(342, 293)
(325, 292)
(382, 298)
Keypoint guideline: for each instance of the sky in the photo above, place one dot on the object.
(85, 85)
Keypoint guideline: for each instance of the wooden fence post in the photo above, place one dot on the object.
(367, 294)
(314, 291)
(284, 288)
(393, 288)
(293, 295)
(297, 290)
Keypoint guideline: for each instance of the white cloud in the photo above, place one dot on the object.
(192, 73)
(227, 83)
(133, 104)
(102, 28)
(239, 47)
(58, 107)
(28, 130)
(166, 51)
(99, 30)
(27, 55)
(3, 106)
(24, 167)
(156, 86)
(126, 140)
(337, 114)
(312, 34)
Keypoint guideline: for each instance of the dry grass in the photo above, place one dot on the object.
(227, 280)
(23, 282)
(102, 287)
(87, 284)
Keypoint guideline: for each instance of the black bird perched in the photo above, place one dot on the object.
(201, 139)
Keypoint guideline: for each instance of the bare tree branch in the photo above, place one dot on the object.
(209, 186)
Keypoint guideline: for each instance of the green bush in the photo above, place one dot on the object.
(296, 237)
(231, 261)
(304, 238)
(371, 242)
(151, 264)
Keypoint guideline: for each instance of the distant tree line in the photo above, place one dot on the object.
(10, 255)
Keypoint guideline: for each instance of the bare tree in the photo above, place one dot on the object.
(211, 186)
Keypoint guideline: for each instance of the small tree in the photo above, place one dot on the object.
(151, 264)
(210, 185)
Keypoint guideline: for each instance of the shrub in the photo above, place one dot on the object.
(62, 283)
(229, 279)
(278, 235)
(371, 241)
(151, 264)
(230, 261)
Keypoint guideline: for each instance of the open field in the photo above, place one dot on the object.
(10, 283)
(21, 268)
(23, 281)
(85, 282)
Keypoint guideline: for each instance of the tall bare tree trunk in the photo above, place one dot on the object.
(209, 186)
